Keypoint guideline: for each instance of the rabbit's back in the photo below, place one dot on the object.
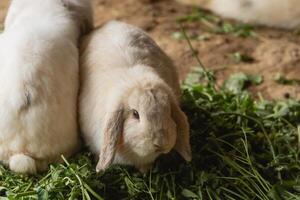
(128, 46)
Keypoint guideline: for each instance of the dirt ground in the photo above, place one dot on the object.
(274, 51)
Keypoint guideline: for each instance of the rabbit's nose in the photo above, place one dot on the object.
(159, 141)
(159, 144)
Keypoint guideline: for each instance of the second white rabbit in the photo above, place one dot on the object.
(129, 101)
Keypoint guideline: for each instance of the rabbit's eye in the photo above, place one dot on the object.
(135, 114)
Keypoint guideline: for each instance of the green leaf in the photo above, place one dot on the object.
(239, 81)
(236, 82)
(189, 194)
(42, 194)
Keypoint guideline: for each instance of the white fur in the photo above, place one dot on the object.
(275, 13)
(120, 63)
(39, 83)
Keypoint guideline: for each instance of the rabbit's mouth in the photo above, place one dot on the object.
(162, 150)
(132, 157)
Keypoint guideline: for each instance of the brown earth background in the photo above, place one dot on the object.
(274, 51)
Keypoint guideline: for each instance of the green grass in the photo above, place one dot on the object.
(242, 149)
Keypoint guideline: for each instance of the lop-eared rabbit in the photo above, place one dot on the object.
(129, 99)
(39, 80)
(275, 13)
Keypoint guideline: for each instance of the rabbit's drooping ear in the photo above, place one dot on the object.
(113, 128)
(82, 12)
(182, 145)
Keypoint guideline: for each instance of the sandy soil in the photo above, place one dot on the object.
(274, 51)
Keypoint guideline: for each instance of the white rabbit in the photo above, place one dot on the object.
(275, 13)
(129, 108)
(39, 81)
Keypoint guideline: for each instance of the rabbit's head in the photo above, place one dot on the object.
(144, 122)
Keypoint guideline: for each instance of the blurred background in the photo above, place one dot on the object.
(226, 47)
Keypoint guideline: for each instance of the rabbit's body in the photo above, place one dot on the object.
(275, 13)
(120, 61)
(39, 84)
